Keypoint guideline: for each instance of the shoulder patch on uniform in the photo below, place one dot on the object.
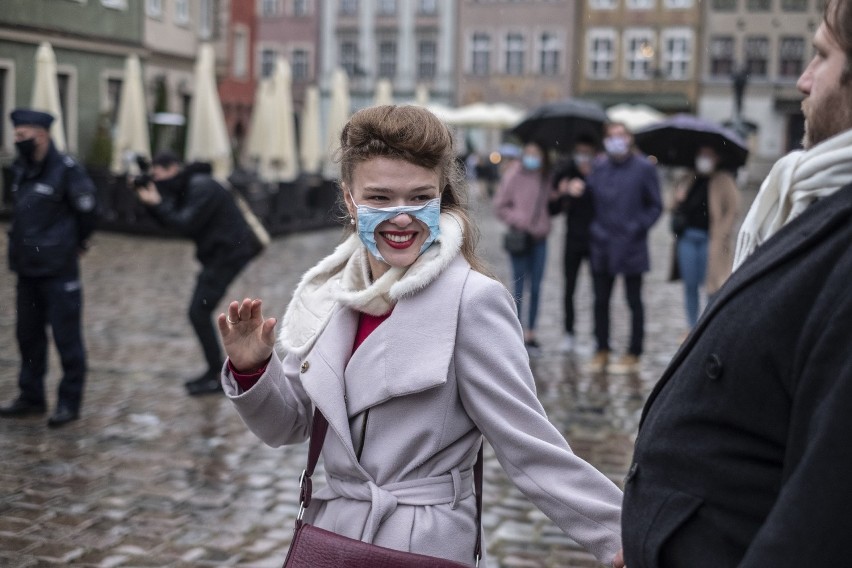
(69, 161)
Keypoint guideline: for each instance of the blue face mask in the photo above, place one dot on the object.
(371, 217)
(531, 163)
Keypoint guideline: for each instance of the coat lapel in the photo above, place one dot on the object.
(791, 240)
(411, 351)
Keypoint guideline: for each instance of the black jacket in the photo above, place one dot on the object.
(745, 447)
(54, 213)
(578, 210)
(200, 208)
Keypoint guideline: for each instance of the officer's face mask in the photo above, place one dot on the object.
(27, 149)
(369, 218)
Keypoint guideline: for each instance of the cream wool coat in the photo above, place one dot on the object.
(447, 367)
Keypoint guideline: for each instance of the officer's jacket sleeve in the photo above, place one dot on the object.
(82, 195)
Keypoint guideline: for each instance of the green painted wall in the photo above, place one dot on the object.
(88, 19)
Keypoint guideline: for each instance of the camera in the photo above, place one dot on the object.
(144, 178)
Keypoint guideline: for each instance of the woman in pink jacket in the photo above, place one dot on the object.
(413, 354)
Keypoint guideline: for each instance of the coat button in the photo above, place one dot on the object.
(713, 367)
(305, 366)
(631, 473)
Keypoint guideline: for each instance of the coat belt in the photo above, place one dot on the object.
(445, 489)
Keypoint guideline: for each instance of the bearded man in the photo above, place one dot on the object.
(743, 451)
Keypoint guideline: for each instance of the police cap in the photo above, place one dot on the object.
(29, 117)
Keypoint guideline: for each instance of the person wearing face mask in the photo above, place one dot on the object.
(403, 345)
(625, 190)
(707, 205)
(188, 200)
(522, 202)
(568, 184)
(55, 213)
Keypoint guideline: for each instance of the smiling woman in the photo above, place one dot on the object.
(412, 355)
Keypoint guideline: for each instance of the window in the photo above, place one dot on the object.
(602, 4)
(268, 8)
(791, 57)
(640, 4)
(758, 5)
(387, 7)
(721, 56)
(677, 53)
(480, 54)
(182, 11)
(349, 56)
(154, 8)
(5, 103)
(240, 56)
(348, 7)
(300, 65)
(267, 62)
(301, 8)
(677, 4)
(549, 49)
(794, 5)
(601, 53)
(725, 5)
(427, 59)
(113, 96)
(64, 83)
(638, 53)
(515, 54)
(756, 56)
(427, 7)
(205, 19)
(387, 58)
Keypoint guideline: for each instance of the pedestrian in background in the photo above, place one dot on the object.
(705, 212)
(413, 354)
(625, 191)
(190, 201)
(54, 216)
(522, 203)
(743, 455)
(569, 182)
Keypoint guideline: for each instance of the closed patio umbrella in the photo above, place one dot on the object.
(45, 96)
(634, 117)
(338, 115)
(131, 130)
(207, 139)
(310, 143)
(384, 93)
(256, 141)
(279, 163)
(421, 94)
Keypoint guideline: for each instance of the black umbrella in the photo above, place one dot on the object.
(676, 140)
(559, 124)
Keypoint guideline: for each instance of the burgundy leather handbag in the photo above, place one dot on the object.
(313, 547)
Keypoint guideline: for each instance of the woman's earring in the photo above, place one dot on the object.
(351, 220)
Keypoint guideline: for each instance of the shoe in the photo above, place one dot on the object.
(626, 365)
(207, 383)
(62, 416)
(599, 362)
(567, 343)
(22, 407)
(533, 347)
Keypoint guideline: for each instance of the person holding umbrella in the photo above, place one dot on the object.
(705, 211)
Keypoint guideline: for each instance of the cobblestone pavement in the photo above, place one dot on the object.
(150, 477)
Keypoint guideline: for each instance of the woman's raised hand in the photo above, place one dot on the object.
(247, 337)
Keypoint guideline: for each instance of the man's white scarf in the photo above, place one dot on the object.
(343, 277)
(795, 181)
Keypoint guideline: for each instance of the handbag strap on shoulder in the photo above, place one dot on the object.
(318, 432)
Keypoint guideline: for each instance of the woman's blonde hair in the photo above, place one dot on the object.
(417, 136)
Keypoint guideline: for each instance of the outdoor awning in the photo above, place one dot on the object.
(667, 102)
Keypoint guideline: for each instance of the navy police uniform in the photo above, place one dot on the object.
(54, 214)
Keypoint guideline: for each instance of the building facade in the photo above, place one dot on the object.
(238, 79)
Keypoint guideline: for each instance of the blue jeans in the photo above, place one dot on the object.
(692, 260)
(530, 264)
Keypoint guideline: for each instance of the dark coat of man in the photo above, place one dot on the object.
(744, 451)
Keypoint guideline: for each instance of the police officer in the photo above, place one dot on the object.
(189, 200)
(54, 215)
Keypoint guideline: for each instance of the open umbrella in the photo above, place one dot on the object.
(131, 130)
(384, 93)
(45, 95)
(558, 124)
(635, 117)
(338, 115)
(310, 143)
(676, 140)
(207, 139)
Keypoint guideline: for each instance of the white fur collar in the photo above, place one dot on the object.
(342, 278)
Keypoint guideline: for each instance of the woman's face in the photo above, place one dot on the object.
(384, 182)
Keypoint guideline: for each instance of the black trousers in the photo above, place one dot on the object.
(58, 302)
(571, 266)
(603, 284)
(210, 288)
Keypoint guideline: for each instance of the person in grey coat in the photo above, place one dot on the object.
(743, 453)
(413, 354)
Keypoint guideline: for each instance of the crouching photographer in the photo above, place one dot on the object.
(227, 236)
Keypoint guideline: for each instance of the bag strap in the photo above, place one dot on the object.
(318, 432)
